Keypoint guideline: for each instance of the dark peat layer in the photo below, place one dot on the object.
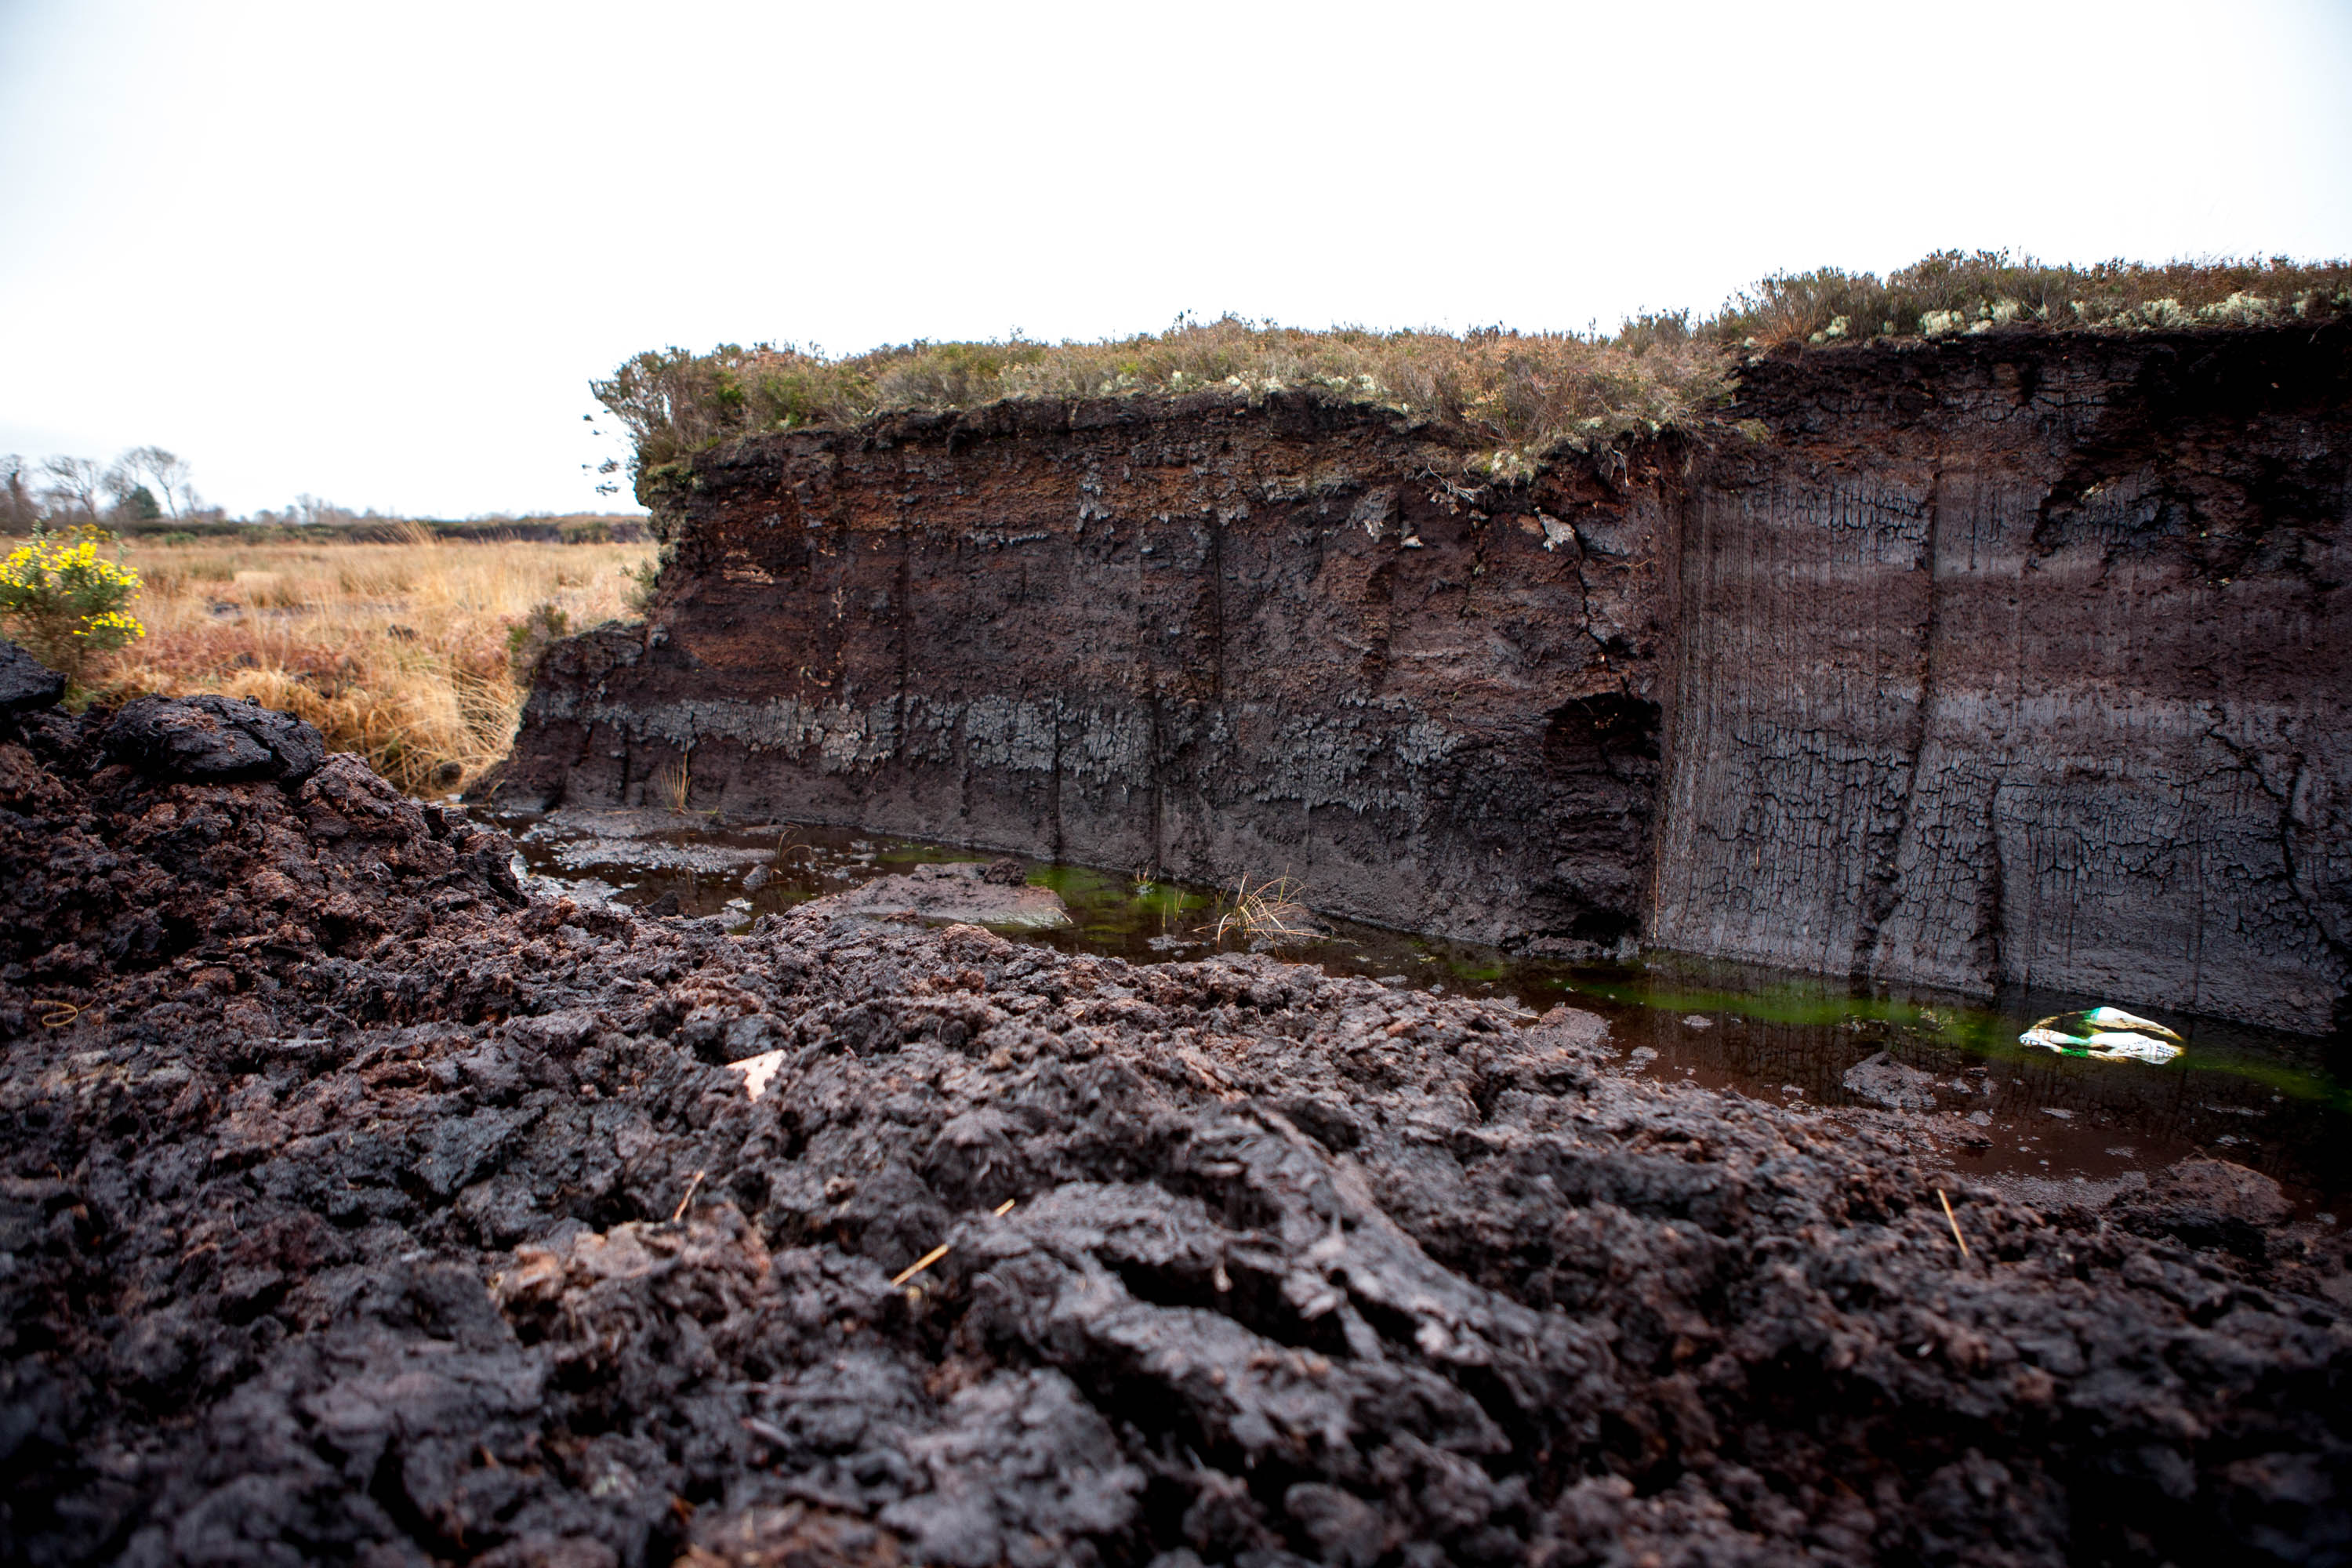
(359, 1207)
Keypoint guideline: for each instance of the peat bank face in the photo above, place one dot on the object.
(1979, 662)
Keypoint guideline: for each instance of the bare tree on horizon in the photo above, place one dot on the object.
(74, 484)
(167, 476)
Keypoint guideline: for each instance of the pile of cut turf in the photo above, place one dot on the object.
(355, 1208)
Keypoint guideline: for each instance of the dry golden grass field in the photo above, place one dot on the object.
(414, 653)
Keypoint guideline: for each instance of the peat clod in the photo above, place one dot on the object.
(349, 1211)
(1881, 1081)
(957, 891)
(213, 740)
(25, 683)
(2206, 1204)
(115, 861)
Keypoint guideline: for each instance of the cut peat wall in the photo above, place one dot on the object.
(2009, 660)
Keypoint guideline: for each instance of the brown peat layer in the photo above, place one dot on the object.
(356, 1208)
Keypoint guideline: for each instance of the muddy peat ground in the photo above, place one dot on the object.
(358, 1207)
(2273, 1100)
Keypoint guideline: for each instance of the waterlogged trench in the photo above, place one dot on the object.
(2252, 1095)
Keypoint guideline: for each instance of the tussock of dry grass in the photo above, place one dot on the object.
(673, 783)
(399, 652)
(1273, 911)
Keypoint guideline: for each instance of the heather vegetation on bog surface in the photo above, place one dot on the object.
(1990, 291)
(1515, 392)
(1514, 398)
(417, 655)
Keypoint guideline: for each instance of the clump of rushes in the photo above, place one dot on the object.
(1271, 912)
(673, 783)
(66, 601)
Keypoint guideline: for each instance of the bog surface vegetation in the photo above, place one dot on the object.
(1517, 398)
(415, 655)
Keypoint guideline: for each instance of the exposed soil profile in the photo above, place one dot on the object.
(1991, 661)
(358, 1208)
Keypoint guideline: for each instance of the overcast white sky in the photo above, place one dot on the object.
(375, 253)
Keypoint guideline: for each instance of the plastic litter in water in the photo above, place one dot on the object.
(2109, 1034)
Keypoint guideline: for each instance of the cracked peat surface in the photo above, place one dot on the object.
(359, 1205)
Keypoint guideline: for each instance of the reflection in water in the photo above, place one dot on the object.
(2255, 1096)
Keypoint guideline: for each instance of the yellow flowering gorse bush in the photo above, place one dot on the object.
(64, 601)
